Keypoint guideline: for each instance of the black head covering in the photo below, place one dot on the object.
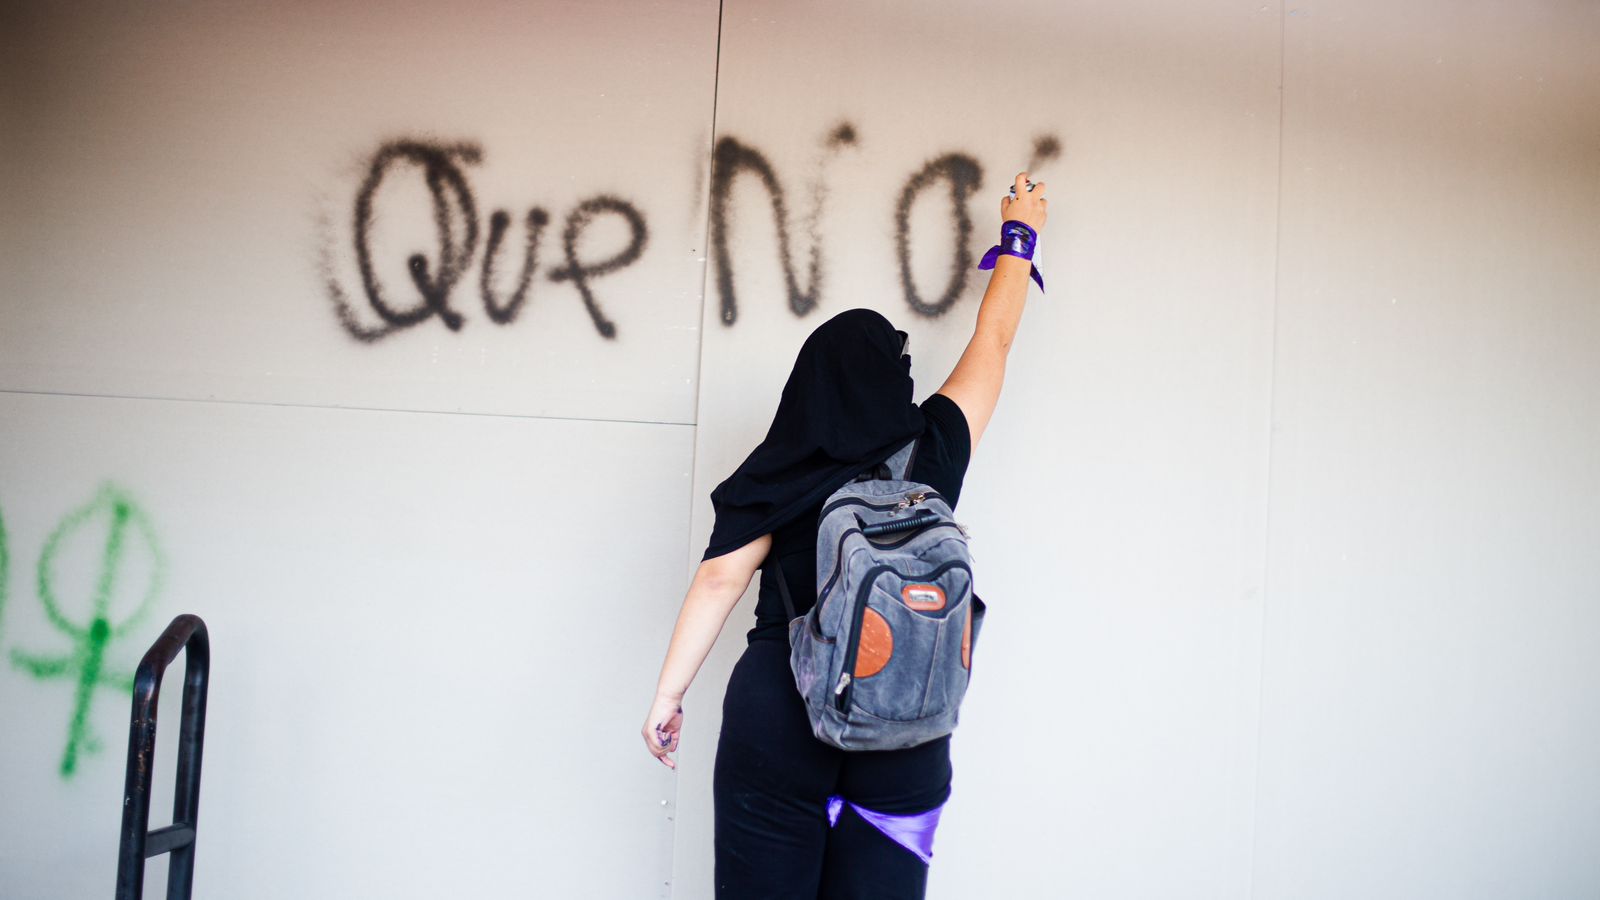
(846, 407)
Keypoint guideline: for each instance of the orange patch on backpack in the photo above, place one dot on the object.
(966, 641)
(877, 644)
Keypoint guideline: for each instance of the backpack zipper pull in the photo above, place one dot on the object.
(844, 682)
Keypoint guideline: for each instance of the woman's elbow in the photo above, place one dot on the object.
(718, 579)
(734, 569)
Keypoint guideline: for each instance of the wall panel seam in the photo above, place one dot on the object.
(699, 386)
(362, 409)
(1272, 407)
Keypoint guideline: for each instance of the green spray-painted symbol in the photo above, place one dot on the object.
(125, 526)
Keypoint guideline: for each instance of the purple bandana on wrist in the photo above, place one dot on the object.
(1016, 239)
(913, 832)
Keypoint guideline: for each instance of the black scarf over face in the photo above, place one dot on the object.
(846, 407)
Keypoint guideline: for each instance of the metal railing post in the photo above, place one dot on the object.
(186, 633)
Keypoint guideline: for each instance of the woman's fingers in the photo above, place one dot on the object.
(661, 730)
(660, 751)
(1027, 206)
(669, 743)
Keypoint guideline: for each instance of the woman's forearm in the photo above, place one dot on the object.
(1001, 310)
(705, 610)
(1000, 313)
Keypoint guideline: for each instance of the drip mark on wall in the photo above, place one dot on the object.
(127, 530)
(963, 173)
(841, 137)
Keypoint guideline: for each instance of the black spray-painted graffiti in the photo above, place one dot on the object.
(455, 220)
(580, 274)
(963, 173)
(456, 228)
(506, 313)
(1046, 148)
(731, 158)
(961, 170)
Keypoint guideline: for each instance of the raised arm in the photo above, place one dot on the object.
(975, 382)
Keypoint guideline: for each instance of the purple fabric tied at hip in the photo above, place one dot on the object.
(1016, 239)
(913, 832)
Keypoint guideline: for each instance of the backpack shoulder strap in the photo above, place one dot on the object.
(896, 467)
(783, 583)
(900, 463)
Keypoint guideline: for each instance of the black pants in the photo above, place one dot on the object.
(771, 786)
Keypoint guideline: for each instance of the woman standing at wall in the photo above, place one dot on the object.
(846, 406)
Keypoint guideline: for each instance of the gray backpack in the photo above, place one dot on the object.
(883, 658)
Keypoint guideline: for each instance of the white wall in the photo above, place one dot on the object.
(424, 559)
(1430, 707)
(1296, 455)
(413, 695)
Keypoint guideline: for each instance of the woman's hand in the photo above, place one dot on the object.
(1029, 208)
(662, 727)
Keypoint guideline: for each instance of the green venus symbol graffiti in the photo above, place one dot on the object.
(126, 528)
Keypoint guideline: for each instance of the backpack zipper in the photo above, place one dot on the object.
(898, 504)
(843, 689)
(837, 568)
(828, 586)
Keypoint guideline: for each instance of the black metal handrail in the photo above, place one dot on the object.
(186, 633)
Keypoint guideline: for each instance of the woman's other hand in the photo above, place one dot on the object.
(1029, 208)
(718, 584)
(662, 727)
